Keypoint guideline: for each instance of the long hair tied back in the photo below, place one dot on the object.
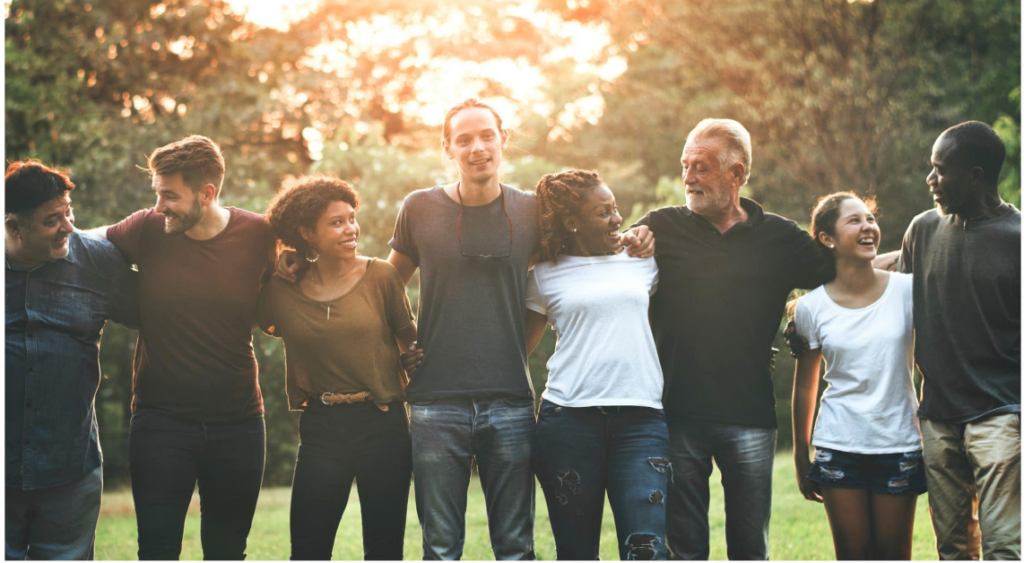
(558, 196)
(823, 220)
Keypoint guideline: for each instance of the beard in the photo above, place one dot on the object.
(186, 221)
(712, 202)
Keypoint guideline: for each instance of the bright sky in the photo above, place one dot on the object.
(435, 88)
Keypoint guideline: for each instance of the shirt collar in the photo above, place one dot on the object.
(755, 215)
(69, 257)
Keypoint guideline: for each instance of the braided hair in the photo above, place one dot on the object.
(823, 220)
(558, 196)
(300, 204)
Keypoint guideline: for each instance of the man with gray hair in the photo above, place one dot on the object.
(726, 270)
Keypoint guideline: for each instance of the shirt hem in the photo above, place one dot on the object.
(868, 451)
(1005, 409)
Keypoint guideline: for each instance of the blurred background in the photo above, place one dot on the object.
(837, 95)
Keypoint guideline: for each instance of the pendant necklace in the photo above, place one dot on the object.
(334, 293)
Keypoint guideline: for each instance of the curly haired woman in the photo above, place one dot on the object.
(343, 325)
(867, 461)
(601, 425)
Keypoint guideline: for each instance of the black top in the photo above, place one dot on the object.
(966, 314)
(719, 304)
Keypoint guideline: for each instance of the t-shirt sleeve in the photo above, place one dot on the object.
(534, 299)
(402, 241)
(653, 276)
(127, 235)
(906, 262)
(398, 309)
(805, 325)
(265, 309)
(808, 266)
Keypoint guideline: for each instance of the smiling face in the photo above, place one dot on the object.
(856, 234)
(337, 231)
(950, 181)
(475, 144)
(710, 190)
(177, 202)
(597, 225)
(43, 236)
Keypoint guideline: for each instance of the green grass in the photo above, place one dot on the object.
(799, 529)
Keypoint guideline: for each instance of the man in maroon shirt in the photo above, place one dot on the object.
(197, 411)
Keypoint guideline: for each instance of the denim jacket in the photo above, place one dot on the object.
(55, 315)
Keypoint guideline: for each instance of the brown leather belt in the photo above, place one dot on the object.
(331, 399)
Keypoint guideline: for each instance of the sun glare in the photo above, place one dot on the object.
(449, 80)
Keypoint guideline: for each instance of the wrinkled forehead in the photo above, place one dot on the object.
(702, 148)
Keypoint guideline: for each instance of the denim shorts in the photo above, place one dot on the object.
(892, 474)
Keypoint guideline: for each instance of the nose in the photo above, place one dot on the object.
(689, 176)
(478, 145)
(930, 180)
(616, 219)
(67, 223)
(161, 206)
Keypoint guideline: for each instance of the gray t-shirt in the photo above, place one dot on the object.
(966, 314)
(472, 309)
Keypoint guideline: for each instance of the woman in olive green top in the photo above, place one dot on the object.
(344, 324)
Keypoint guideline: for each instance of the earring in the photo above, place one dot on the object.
(573, 230)
(831, 246)
(312, 259)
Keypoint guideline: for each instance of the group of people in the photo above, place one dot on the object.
(662, 365)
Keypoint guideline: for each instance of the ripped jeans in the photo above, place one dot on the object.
(579, 453)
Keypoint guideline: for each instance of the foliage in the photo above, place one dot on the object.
(837, 95)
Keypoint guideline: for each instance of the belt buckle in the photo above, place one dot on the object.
(323, 398)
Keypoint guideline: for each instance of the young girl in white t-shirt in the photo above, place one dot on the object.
(867, 464)
(601, 427)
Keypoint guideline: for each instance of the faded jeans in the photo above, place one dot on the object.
(744, 455)
(55, 522)
(446, 436)
(973, 472)
(579, 453)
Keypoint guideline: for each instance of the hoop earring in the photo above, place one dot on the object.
(314, 258)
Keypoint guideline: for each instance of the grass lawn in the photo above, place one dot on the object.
(799, 528)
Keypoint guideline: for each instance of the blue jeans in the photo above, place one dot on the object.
(745, 456)
(579, 453)
(56, 522)
(446, 436)
(168, 456)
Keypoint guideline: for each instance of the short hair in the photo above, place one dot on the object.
(28, 184)
(197, 158)
(446, 129)
(736, 137)
(300, 203)
(980, 146)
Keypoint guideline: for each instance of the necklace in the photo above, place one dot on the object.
(337, 284)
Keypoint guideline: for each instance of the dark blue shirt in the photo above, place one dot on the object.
(55, 315)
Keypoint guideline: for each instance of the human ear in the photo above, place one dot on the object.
(826, 239)
(569, 223)
(447, 150)
(11, 224)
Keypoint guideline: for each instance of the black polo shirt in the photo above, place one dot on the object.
(719, 304)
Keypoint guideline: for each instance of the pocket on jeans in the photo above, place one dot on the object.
(516, 402)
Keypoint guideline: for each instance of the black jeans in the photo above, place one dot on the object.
(341, 443)
(167, 456)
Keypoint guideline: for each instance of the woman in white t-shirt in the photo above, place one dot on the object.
(867, 464)
(601, 427)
